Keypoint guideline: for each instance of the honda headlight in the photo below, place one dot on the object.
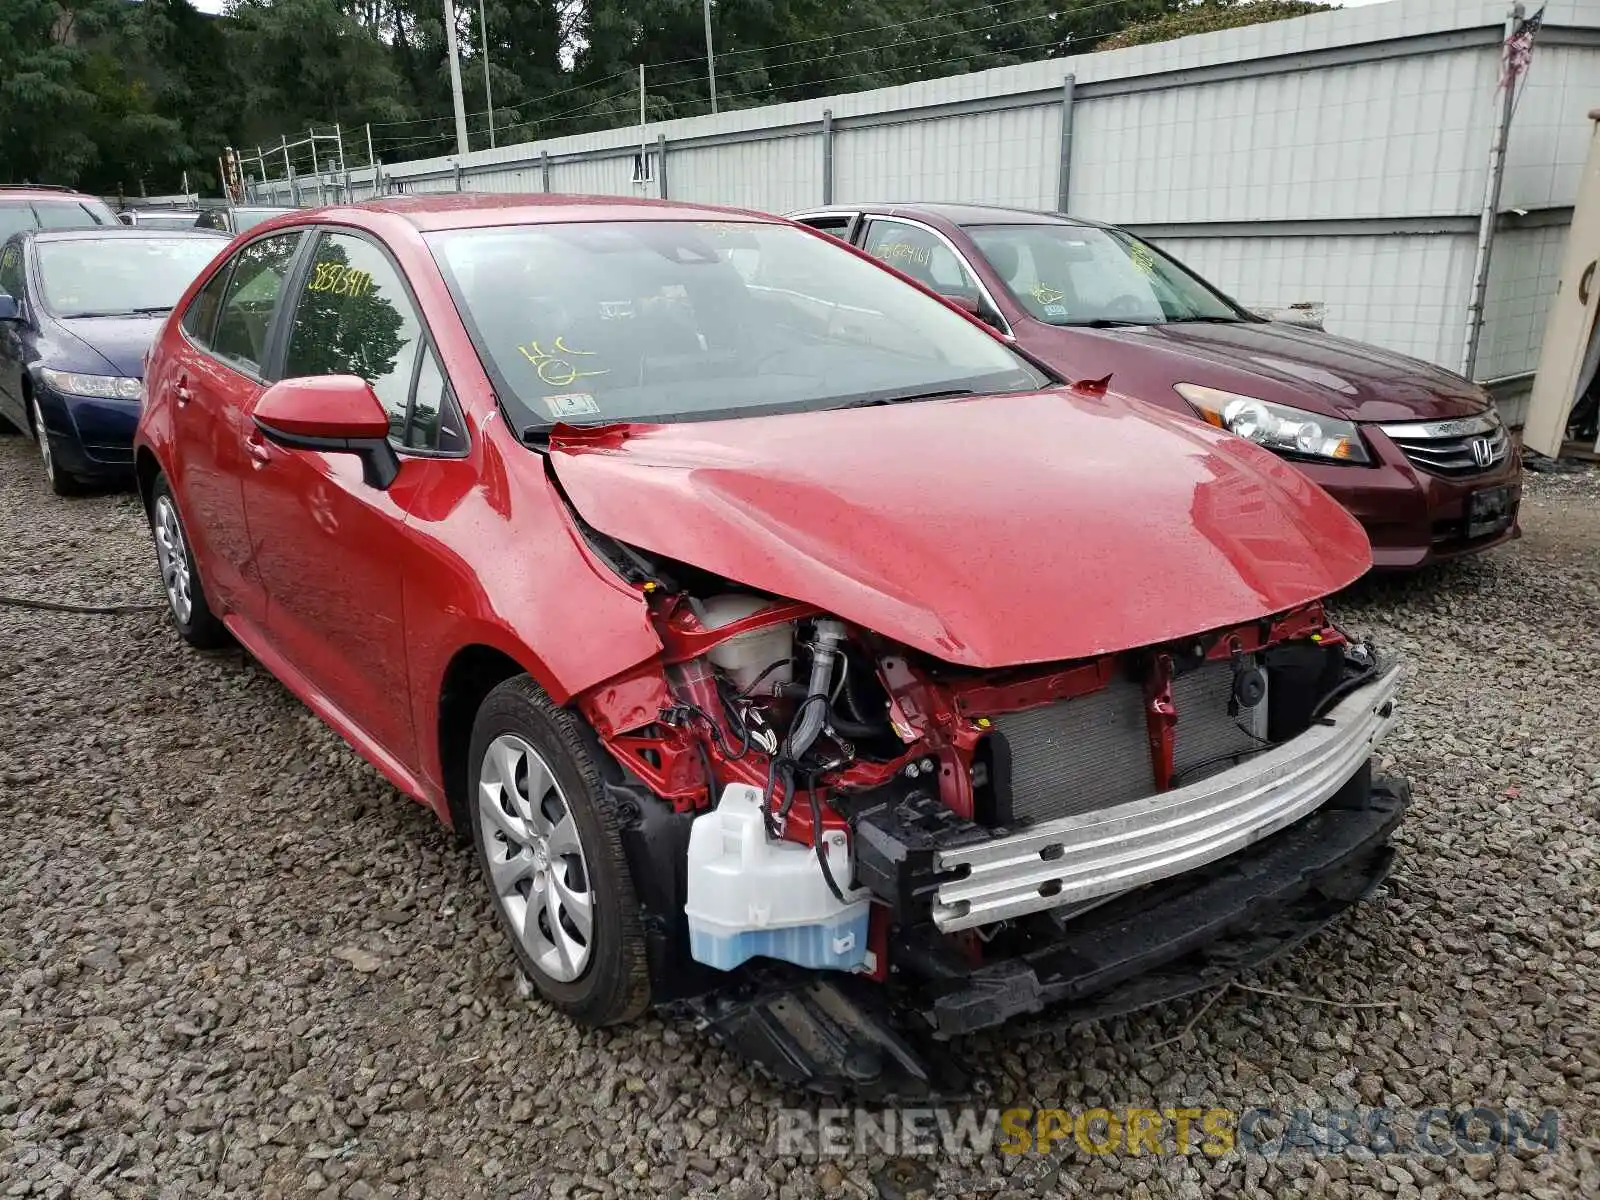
(104, 387)
(1277, 426)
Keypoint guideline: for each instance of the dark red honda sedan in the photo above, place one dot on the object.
(1416, 453)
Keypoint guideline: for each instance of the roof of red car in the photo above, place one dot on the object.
(466, 210)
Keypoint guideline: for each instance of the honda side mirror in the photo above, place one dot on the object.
(335, 414)
(973, 306)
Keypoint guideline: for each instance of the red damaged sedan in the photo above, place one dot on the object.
(791, 650)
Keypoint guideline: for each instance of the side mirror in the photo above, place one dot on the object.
(968, 303)
(336, 414)
(126, 218)
(10, 310)
(965, 301)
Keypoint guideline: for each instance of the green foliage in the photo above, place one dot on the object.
(115, 96)
(1207, 16)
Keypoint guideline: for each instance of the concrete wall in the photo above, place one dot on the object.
(1338, 158)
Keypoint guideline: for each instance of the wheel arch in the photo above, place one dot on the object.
(146, 467)
(472, 673)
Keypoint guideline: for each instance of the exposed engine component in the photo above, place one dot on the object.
(813, 712)
(760, 657)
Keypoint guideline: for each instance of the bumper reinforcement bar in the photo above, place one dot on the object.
(1115, 849)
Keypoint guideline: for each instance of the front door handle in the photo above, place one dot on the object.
(257, 450)
(181, 392)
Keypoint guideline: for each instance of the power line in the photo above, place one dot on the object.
(931, 63)
(578, 113)
(943, 16)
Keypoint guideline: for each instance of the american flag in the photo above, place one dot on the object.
(1519, 48)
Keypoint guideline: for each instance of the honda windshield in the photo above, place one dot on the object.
(120, 275)
(686, 320)
(1084, 275)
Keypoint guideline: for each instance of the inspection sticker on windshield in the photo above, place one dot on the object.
(572, 404)
(1055, 310)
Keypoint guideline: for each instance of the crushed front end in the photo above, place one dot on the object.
(856, 845)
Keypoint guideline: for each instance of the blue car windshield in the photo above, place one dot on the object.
(120, 276)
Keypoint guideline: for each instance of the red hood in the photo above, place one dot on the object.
(989, 531)
(1284, 363)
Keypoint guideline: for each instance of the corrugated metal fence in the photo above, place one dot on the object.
(1338, 158)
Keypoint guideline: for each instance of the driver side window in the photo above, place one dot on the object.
(354, 318)
(919, 254)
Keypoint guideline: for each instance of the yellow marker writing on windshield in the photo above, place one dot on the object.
(554, 369)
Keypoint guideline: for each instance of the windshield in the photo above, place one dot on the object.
(1082, 275)
(676, 320)
(120, 276)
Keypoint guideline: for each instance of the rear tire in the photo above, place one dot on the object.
(549, 845)
(180, 579)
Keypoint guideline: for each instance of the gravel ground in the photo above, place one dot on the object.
(234, 961)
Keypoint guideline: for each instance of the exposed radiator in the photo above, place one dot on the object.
(1093, 752)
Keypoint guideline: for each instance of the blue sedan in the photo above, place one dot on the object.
(78, 310)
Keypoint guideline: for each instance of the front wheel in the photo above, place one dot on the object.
(61, 483)
(186, 598)
(549, 844)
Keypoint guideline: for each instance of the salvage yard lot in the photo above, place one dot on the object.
(233, 960)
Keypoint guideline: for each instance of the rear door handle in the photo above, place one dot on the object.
(181, 392)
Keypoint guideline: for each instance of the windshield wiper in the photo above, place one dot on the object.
(1102, 323)
(128, 312)
(1205, 320)
(874, 401)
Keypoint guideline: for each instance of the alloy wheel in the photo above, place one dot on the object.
(44, 443)
(173, 556)
(535, 857)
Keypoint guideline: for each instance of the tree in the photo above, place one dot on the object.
(108, 94)
(1207, 16)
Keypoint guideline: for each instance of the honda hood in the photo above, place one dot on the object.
(990, 531)
(120, 341)
(1294, 365)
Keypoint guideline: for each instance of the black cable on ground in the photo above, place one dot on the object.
(109, 610)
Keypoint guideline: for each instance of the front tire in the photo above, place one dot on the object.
(61, 483)
(186, 596)
(550, 848)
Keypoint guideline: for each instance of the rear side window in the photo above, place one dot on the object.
(15, 217)
(254, 285)
(355, 318)
(200, 318)
(838, 226)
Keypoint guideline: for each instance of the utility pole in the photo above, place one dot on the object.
(488, 88)
(644, 153)
(1490, 211)
(455, 76)
(711, 60)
